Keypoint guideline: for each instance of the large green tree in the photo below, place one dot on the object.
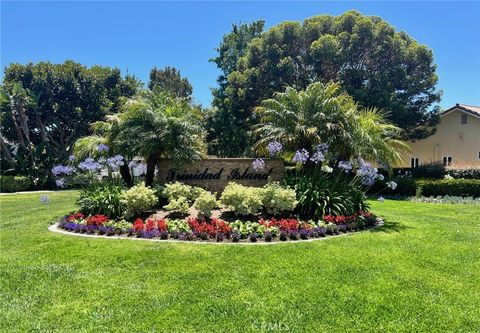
(377, 65)
(169, 79)
(226, 131)
(53, 105)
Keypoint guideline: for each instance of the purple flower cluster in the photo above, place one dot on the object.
(60, 182)
(138, 168)
(274, 148)
(71, 158)
(103, 147)
(62, 170)
(89, 165)
(317, 157)
(345, 165)
(115, 161)
(367, 173)
(258, 164)
(301, 156)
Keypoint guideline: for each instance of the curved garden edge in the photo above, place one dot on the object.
(54, 228)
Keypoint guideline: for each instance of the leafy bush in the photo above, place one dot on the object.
(242, 199)
(464, 173)
(321, 195)
(179, 205)
(14, 183)
(434, 170)
(101, 199)
(276, 199)
(454, 187)
(138, 199)
(205, 203)
(173, 191)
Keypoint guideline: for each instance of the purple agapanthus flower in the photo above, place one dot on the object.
(345, 165)
(71, 158)
(103, 147)
(60, 182)
(301, 156)
(274, 148)
(317, 157)
(380, 176)
(89, 165)
(367, 173)
(62, 170)
(258, 164)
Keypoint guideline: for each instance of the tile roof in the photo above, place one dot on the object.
(473, 110)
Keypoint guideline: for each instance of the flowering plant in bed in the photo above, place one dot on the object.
(217, 230)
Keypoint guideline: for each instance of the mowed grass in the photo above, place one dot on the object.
(418, 273)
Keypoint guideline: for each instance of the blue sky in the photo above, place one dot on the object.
(137, 36)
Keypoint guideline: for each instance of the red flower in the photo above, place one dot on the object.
(138, 225)
(150, 225)
(97, 220)
(162, 225)
(329, 218)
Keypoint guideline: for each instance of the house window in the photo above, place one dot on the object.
(464, 119)
(447, 160)
(414, 162)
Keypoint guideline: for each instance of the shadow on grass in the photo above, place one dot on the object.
(391, 226)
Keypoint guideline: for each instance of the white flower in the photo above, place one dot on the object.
(327, 169)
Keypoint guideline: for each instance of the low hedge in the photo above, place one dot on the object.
(452, 187)
(14, 183)
(464, 173)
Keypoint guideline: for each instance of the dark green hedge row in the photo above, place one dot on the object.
(437, 170)
(430, 187)
(14, 183)
(441, 187)
(464, 173)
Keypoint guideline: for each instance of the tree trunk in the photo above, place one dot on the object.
(151, 164)
(125, 173)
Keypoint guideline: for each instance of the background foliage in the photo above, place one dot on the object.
(46, 107)
(378, 66)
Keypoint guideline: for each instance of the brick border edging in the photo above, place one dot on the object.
(55, 228)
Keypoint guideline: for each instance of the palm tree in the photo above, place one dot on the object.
(157, 125)
(324, 114)
(152, 125)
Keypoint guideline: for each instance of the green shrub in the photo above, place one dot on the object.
(173, 191)
(453, 187)
(138, 199)
(179, 205)
(14, 183)
(242, 199)
(464, 173)
(434, 170)
(322, 194)
(205, 203)
(277, 200)
(101, 199)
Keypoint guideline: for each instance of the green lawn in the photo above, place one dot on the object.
(420, 272)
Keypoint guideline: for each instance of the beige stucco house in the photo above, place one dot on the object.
(456, 141)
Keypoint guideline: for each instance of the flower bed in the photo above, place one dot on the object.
(217, 230)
